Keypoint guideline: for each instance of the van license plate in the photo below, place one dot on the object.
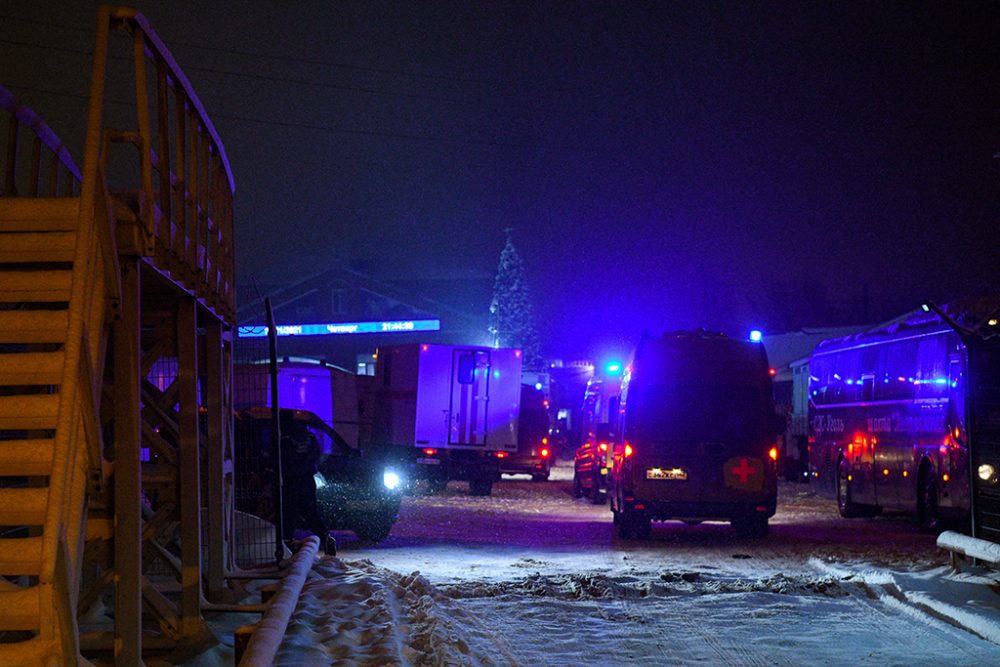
(666, 473)
(429, 462)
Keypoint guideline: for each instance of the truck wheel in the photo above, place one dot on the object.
(633, 524)
(436, 485)
(480, 487)
(928, 517)
(577, 487)
(750, 526)
(597, 495)
(374, 530)
(845, 505)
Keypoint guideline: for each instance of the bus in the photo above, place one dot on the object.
(697, 438)
(902, 417)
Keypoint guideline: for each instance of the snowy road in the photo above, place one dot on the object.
(531, 576)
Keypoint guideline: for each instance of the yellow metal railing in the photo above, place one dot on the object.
(185, 197)
(48, 171)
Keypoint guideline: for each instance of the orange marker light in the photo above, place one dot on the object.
(945, 477)
(545, 441)
(603, 446)
(773, 453)
(628, 450)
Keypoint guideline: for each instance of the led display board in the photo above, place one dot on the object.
(337, 328)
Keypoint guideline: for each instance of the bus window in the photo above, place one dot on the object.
(897, 382)
(932, 355)
(868, 388)
(956, 385)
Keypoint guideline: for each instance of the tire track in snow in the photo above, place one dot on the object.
(882, 588)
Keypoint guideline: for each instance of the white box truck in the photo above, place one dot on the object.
(328, 391)
(446, 410)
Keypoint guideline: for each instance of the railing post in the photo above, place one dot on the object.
(190, 477)
(146, 200)
(128, 474)
(220, 476)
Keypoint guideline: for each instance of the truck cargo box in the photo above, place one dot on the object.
(447, 397)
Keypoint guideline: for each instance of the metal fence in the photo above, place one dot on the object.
(258, 497)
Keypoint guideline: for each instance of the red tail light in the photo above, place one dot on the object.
(501, 455)
(430, 451)
(628, 450)
(603, 446)
(545, 453)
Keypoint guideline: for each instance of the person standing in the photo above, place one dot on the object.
(300, 452)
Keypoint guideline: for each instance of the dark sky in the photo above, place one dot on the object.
(662, 164)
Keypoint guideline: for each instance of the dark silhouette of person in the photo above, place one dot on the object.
(300, 452)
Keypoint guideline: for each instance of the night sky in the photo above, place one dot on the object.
(662, 165)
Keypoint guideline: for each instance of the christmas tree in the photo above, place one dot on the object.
(512, 318)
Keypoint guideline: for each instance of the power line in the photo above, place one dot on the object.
(264, 77)
(305, 126)
(261, 77)
(254, 54)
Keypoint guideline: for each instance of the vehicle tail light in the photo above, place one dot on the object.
(773, 453)
(430, 451)
(603, 446)
(501, 455)
(545, 453)
(628, 450)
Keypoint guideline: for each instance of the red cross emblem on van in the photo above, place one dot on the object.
(745, 473)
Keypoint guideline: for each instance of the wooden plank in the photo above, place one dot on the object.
(28, 458)
(33, 326)
(25, 247)
(31, 368)
(29, 412)
(23, 506)
(35, 286)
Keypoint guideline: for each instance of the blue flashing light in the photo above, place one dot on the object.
(614, 367)
(538, 386)
(336, 328)
(756, 336)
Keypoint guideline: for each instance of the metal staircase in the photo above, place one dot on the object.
(55, 309)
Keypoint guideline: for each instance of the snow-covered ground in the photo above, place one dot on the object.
(531, 576)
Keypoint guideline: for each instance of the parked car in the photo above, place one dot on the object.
(353, 491)
(592, 466)
(534, 454)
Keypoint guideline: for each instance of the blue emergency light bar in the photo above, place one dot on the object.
(335, 328)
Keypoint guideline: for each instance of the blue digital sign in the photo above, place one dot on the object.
(336, 328)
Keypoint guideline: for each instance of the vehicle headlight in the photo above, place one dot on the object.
(391, 479)
(320, 481)
(987, 472)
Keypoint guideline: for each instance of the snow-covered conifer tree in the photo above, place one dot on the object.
(512, 318)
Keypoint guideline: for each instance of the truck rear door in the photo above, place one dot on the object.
(470, 381)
